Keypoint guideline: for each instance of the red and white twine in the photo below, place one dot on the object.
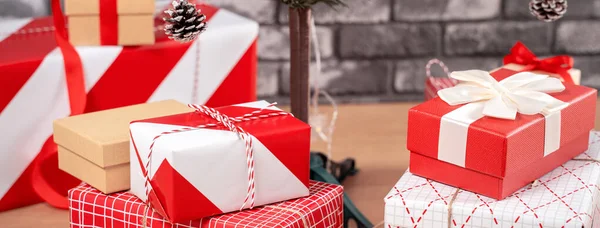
(438, 62)
(228, 122)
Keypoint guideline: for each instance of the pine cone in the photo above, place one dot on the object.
(185, 22)
(548, 10)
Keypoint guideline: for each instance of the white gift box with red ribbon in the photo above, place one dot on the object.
(568, 196)
(214, 161)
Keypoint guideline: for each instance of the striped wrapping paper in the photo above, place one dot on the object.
(322, 208)
(568, 196)
(433, 85)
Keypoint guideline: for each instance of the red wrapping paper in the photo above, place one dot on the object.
(322, 208)
(501, 155)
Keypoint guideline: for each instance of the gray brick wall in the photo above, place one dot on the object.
(375, 50)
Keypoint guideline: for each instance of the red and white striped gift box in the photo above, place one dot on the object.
(322, 208)
(568, 196)
(435, 84)
(223, 160)
(218, 69)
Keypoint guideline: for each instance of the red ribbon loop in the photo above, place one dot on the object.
(520, 54)
(77, 100)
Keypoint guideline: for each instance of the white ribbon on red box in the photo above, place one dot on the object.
(524, 93)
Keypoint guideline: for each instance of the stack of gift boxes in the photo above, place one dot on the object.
(506, 148)
(168, 164)
(146, 161)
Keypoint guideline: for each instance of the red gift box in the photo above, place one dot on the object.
(89, 207)
(221, 160)
(34, 89)
(494, 157)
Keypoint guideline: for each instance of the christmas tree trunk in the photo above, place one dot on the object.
(300, 61)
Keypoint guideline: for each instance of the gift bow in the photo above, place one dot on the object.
(524, 92)
(520, 54)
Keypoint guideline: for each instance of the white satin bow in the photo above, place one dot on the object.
(524, 92)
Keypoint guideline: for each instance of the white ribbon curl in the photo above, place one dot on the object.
(525, 93)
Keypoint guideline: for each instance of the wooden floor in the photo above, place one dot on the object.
(374, 134)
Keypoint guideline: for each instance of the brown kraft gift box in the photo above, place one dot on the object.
(94, 147)
(135, 24)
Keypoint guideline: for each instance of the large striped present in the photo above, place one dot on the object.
(218, 69)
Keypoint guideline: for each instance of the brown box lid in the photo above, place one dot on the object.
(107, 180)
(92, 7)
(103, 137)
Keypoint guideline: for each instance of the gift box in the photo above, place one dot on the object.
(522, 59)
(322, 208)
(34, 89)
(568, 196)
(94, 147)
(435, 84)
(110, 22)
(222, 160)
(475, 145)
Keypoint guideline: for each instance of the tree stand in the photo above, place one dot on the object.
(318, 172)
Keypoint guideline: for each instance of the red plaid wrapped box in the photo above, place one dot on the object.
(568, 196)
(322, 208)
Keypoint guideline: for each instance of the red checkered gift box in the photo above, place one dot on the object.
(435, 84)
(322, 208)
(568, 196)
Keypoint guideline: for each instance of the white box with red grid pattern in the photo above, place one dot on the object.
(568, 196)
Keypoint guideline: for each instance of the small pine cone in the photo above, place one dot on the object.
(548, 10)
(185, 22)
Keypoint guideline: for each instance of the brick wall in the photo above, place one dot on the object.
(375, 50)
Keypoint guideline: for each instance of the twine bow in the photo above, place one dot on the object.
(524, 92)
(229, 123)
(520, 54)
